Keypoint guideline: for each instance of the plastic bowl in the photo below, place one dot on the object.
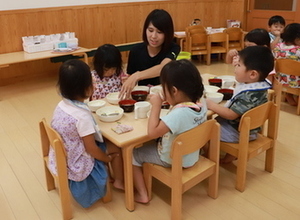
(96, 104)
(110, 113)
(228, 93)
(139, 95)
(113, 98)
(127, 105)
(215, 96)
(208, 88)
(215, 82)
(141, 88)
(165, 105)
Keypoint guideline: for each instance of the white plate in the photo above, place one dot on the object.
(110, 113)
(163, 112)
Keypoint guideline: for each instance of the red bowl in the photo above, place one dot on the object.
(228, 93)
(127, 105)
(215, 82)
(139, 95)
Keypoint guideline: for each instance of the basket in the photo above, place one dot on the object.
(184, 55)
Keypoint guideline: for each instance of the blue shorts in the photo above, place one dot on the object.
(93, 188)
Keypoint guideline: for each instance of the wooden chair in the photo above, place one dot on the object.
(235, 38)
(197, 41)
(218, 43)
(50, 138)
(245, 149)
(290, 67)
(181, 179)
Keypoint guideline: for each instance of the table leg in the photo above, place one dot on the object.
(128, 177)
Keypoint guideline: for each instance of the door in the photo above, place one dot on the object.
(259, 12)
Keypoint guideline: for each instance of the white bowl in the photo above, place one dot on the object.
(141, 88)
(215, 96)
(156, 89)
(227, 81)
(96, 104)
(110, 113)
(209, 88)
(113, 98)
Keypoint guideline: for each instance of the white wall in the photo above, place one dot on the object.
(26, 4)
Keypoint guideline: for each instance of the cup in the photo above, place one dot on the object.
(141, 109)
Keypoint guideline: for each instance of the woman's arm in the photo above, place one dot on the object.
(156, 127)
(92, 149)
(140, 75)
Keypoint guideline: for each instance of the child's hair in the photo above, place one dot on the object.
(258, 58)
(290, 33)
(259, 36)
(276, 19)
(185, 76)
(162, 20)
(107, 56)
(74, 80)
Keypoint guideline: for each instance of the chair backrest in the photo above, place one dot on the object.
(257, 117)
(234, 33)
(194, 139)
(218, 37)
(196, 38)
(287, 66)
(50, 138)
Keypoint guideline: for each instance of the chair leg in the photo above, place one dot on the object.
(298, 106)
(213, 184)
(176, 203)
(269, 163)
(241, 174)
(108, 195)
(65, 198)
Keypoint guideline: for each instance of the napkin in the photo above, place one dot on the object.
(121, 128)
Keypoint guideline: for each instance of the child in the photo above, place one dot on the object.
(182, 86)
(86, 151)
(146, 59)
(256, 37)
(289, 48)
(107, 74)
(276, 25)
(251, 70)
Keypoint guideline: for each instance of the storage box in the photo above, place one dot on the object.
(233, 23)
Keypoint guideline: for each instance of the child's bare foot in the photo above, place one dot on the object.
(290, 99)
(227, 159)
(141, 198)
(118, 184)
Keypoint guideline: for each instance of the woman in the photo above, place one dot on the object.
(148, 58)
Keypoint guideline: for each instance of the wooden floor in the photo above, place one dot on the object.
(22, 182)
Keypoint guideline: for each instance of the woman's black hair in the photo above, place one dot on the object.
(74, 79)
(259, 36)
(107, 56)
(258, 58)
(290, 33)
(162, 20)
(183, 75)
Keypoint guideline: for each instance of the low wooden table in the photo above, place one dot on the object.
(7, 59)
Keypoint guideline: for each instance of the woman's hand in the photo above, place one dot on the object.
(128, 85)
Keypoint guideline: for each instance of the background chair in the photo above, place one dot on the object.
(235, 38)
(197, 42)
(290, 67)
(181, 179)
(218, 43)
(50, 138)
(245, 150)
